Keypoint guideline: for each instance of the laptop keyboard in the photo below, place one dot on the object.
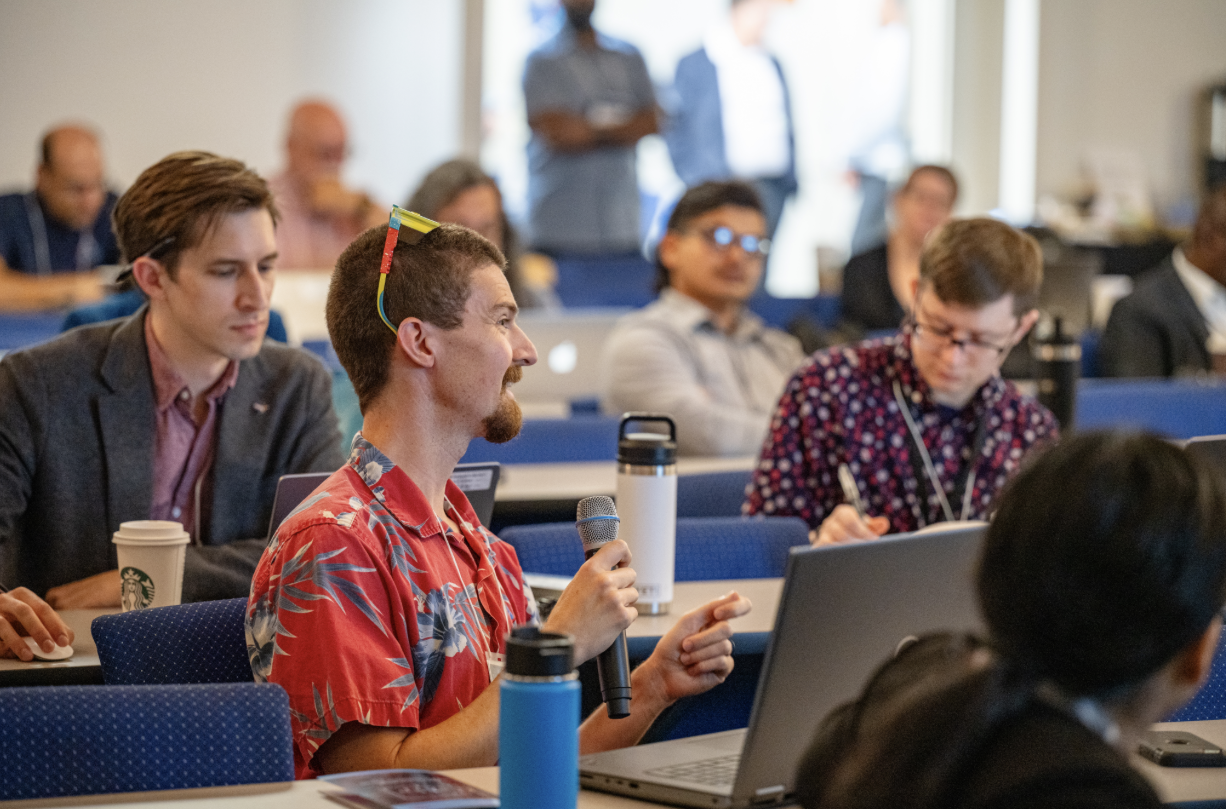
(713, 772)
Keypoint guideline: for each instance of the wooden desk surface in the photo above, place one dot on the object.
(573, 481)
(82, 668)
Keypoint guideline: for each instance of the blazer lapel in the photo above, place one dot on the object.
(126, 421)
(243, 449)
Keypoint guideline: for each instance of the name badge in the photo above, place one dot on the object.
(496, 663)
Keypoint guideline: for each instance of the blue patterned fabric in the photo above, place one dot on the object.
(190, 643)
(712, 494)
(707, 547)
(90, 740)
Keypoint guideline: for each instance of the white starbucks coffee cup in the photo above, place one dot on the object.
(151, 555)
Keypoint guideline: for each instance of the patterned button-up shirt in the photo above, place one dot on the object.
(364, 608)
(840, 408)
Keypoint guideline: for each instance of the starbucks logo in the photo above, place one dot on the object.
(136, 591)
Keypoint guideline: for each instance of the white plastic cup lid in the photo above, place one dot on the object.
(151, 531)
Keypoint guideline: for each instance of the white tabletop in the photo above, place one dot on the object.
(294, 795)
(574, 481)
(85, 653)
(764, 593)
(1188, 784)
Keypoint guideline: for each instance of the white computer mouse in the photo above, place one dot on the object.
(58, 653)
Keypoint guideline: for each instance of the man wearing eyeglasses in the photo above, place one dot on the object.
(927, 429)
(697, 352)
(180, 412)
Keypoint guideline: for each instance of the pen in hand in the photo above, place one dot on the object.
(851, 492)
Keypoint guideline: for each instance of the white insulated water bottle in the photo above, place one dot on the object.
(647, 506)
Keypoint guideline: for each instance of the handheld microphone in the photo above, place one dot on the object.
(597, 523)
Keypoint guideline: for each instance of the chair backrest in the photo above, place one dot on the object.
(203, 642)
(581, 438)
(707, 547)
(712, 494)
(1179, 408)
(92, 740)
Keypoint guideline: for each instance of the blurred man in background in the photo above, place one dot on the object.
(731, 115)
(589, 101)
(319, 214)
(53, 237)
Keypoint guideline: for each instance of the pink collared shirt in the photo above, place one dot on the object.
(307, 240)
(183, 448)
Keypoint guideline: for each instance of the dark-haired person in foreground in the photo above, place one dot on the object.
(923, 420)
(697, 352)
(382, 605)
(180, 412)
(1101, 582)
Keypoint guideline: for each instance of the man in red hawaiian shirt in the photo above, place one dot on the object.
(923, 421)
(382, 604)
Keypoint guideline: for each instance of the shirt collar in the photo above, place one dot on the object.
(168, 385)
(1205, 291)
(691, 315)
(402, 497)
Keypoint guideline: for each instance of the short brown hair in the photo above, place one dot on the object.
(179, 199)
(976, 262)
(940, 171)
(429, 280)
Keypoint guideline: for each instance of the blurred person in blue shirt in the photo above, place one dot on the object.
(589, 100)
(51, 238)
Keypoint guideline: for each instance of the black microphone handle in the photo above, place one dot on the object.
(613, 666)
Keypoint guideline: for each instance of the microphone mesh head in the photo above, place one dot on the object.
(597, 521)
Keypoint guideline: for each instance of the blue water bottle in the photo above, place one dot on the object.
(538, 730)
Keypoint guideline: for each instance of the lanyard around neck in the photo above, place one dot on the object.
(925, 466)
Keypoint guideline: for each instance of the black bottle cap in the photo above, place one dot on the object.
(647, 448)
(533, 653)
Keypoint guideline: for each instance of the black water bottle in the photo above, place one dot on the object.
(1057, 367)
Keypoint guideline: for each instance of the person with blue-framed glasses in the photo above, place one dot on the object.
(697, 352)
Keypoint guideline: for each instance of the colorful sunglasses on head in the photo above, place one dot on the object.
(418, 226)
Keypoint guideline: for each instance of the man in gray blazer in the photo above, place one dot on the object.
(182, 411)
(1175, 319)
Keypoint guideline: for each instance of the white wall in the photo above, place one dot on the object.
(156, 76)
(1123, 74)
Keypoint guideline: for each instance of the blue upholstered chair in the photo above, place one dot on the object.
(1179, 408)
(707, 547)
(581, 438)
(712, 494)
(92, 740)
(190, 643)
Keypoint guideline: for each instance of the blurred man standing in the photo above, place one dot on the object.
(52, 238)
(319, 215)
(589, 101)
(731, 115)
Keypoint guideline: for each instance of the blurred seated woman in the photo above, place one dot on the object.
(459, 191)
(877, 283)
(1100, 583)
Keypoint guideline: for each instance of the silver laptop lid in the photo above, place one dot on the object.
(569, 345)
(843, 612)
(1210, 449)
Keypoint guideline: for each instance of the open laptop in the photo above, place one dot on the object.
(569, 345)
(477, 480)
(843, 612)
